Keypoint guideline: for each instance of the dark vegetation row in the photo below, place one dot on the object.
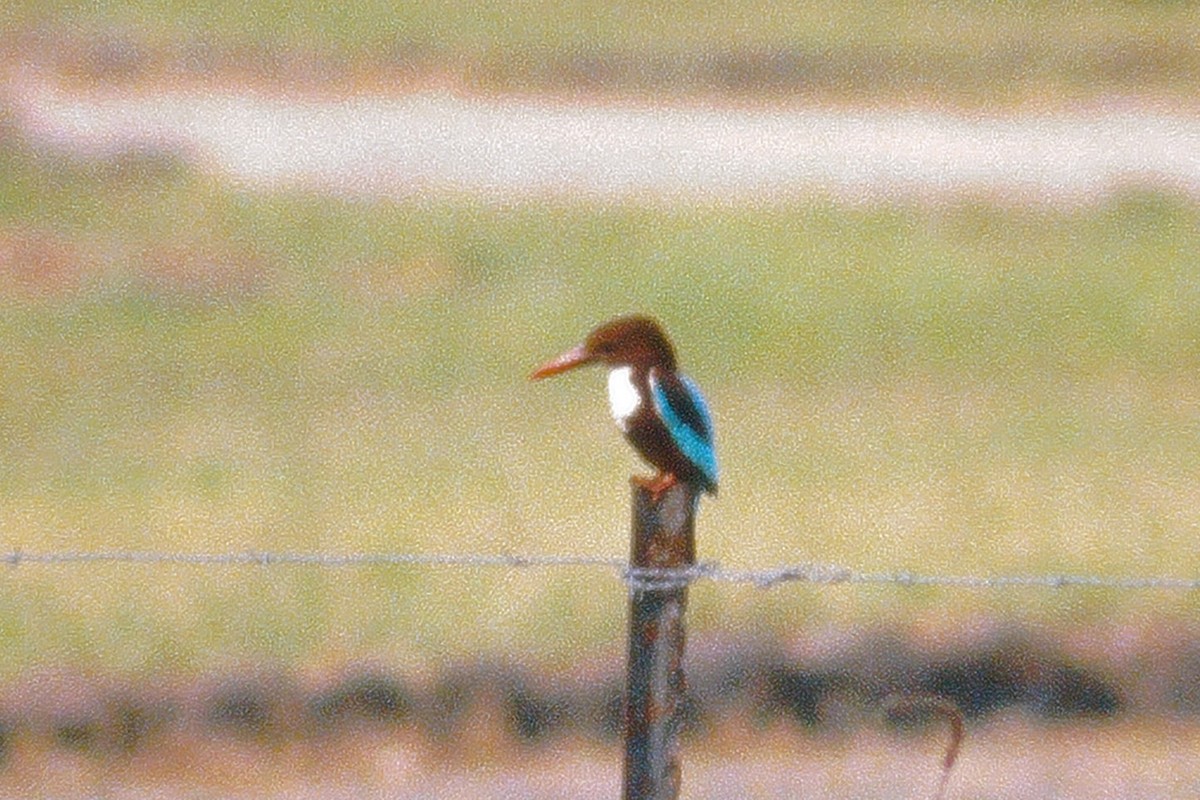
(1009, 69)
(754, 685)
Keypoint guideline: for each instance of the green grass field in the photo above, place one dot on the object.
(191, 367)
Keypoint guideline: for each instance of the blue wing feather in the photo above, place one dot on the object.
(683, 410)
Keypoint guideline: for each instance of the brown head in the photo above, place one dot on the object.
(635, 341)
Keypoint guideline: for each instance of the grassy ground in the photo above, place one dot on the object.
(946, 389)
(899, 51)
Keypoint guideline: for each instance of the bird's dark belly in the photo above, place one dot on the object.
(652, 441)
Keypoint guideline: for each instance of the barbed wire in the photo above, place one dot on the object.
(638, 578)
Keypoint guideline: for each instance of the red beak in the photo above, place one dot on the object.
(575, 357)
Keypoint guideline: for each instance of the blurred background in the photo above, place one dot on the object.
(273, 276)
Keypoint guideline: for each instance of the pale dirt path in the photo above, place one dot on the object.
(1000, 761)
(513, 147)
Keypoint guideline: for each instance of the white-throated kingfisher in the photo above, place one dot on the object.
(660, 411)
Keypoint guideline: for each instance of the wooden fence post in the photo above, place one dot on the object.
(663, 538)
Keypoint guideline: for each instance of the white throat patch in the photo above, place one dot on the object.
(623, 396)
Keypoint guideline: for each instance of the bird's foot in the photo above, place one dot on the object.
(656, 485)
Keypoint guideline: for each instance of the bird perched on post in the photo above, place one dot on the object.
(660, 411)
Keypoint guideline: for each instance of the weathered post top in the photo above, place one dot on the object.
(663, 534)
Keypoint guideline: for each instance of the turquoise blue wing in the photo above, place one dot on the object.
(681, 407)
